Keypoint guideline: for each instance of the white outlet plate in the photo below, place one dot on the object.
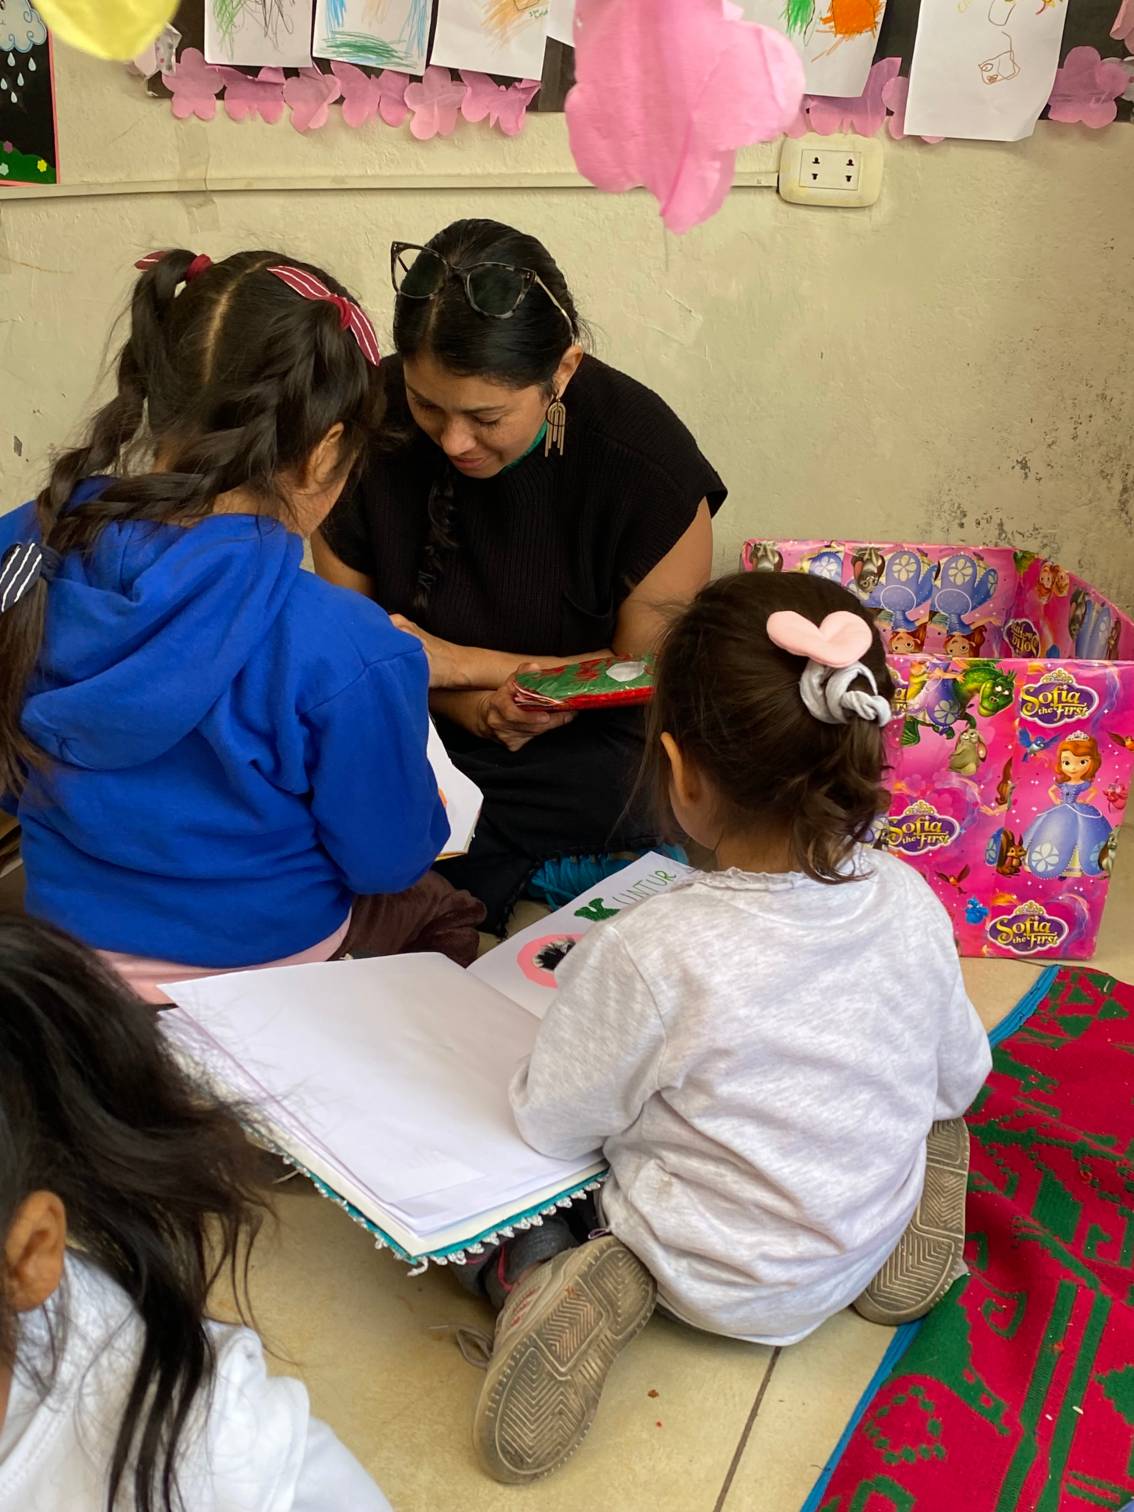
(842, 171)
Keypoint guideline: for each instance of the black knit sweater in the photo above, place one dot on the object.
(545, 554)
(548, 549)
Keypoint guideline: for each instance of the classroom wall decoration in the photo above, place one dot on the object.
(493, 36)
(985, 69)
(107, 30)
(667, 106)
(835, 38)
(260, 33)
(28, 148)
(438, 66)
(387, 34)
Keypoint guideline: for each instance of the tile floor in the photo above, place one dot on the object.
(688, 1422)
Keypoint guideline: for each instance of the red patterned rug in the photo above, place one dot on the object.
(1017, 1393)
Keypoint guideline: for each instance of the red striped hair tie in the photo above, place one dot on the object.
(200, 264)
(351, 317)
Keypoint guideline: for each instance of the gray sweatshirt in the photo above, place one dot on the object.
(760, 1058)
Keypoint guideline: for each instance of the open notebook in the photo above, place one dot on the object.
(386, 1081)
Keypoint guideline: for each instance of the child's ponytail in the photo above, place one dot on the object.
(112, 433)
(228, 380)
(158, 1181)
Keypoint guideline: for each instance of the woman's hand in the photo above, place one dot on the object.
(446, 664)
(501, 718)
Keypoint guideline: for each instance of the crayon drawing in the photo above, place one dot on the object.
(258, 33)
(374, 33)
(505, 17)
(835, 38)
(502, 37)
(848, 19)
(983, 70)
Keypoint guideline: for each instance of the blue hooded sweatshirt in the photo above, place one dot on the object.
(236, 748)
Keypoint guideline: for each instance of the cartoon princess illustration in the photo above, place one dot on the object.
(962, 643)
(1053, 582)
(1068, 840)
(908, 642)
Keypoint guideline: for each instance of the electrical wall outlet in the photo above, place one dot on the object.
(830, 170)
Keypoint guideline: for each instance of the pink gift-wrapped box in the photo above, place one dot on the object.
(1013, 744)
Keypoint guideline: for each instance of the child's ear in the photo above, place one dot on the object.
(34, 1251)
(683, 775)
(323, 465)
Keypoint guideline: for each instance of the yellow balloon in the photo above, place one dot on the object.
(117, 29)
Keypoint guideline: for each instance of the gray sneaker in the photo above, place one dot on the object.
(929, 1256)
(556, 1339)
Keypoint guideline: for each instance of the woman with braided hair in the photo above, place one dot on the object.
(524, 505)
(218, 761)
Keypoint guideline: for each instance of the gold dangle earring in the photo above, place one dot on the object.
(556, 427)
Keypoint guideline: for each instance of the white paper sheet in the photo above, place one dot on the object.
(836, 58)
(258, 33)
(561, 22)
(983, 69)
(492, 36)
(460, 795)
(523, 968)
(374, 33)
(396, 1071)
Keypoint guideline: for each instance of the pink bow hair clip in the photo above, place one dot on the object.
(841, 639)
(351, 317)
(834, 652)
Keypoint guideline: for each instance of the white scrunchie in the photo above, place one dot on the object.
(828, 695)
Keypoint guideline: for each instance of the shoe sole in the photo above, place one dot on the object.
(929, 1254)
(540, 1398)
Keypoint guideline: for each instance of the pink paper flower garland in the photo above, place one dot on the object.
(1085, 91)
(432, 106)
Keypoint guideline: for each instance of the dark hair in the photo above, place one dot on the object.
(227, 384)
(523, 351)
(731, 701)
(158, 1180)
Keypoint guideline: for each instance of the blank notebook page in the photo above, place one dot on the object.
(396, 1069)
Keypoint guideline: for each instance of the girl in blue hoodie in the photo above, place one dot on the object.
(218, 760)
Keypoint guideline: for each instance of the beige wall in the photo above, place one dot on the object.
(954, 364)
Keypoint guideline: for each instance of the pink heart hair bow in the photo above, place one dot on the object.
(834, 652)
(351, 317)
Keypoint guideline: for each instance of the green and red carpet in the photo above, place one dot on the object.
(1017, 1393)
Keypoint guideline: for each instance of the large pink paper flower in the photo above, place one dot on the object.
(1086, 88)
(194, 86)
(667, 91)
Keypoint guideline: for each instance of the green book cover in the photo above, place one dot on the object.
(588, 684)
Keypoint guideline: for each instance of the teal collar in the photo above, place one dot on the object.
(540, 434)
